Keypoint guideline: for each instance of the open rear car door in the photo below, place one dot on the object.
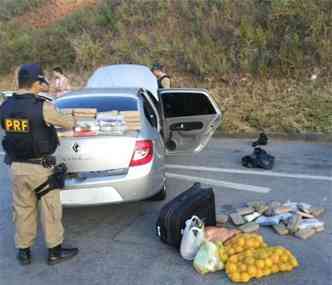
(190, 118)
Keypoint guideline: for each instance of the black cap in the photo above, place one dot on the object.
(31, 73)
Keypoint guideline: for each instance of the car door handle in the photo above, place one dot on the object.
(186, 126)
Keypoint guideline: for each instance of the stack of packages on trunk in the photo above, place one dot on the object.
(90, 122)
(131, 119)
(289, 218)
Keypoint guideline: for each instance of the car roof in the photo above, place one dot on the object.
(124, 75)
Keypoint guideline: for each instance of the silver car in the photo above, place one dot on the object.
(130, 167)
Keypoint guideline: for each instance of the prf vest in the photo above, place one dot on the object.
(160, 86)
(27, 136)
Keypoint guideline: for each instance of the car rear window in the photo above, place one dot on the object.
(101, 103)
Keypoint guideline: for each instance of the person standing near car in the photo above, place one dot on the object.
(60, 82)
(30, 140)
(164, 80)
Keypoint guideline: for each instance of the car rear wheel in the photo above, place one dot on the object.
(160, 196)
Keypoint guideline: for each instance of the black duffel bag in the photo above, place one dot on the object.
(259, 159)
(196, 201)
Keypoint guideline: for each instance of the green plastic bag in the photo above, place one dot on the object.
(207, 259)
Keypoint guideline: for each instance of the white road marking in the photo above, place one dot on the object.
(220, 183)
(251, 172)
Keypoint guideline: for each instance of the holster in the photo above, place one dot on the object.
(7, 160)
(54, 181)
(47, 161)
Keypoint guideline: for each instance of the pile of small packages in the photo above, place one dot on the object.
(90, 122)
(212, 248)
(244, 256)
(289, 218)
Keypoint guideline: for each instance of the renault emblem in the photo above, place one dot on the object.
(76, 147)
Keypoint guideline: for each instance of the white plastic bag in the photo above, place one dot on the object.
(192, 238)
(207, 258)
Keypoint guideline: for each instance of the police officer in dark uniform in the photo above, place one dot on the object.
(29, 142)
(164, 80)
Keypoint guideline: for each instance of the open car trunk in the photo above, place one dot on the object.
(104, 138)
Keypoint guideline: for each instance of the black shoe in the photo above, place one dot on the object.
(24, 256)
(262, 140)
(58, 254)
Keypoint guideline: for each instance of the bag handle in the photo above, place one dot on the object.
(196, 230)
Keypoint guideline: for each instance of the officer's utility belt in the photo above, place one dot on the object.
(55, 181)
(46, 161)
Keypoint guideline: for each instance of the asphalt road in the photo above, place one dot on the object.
(118, 245)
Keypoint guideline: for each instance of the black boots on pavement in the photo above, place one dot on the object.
(58, 254)
(24, 256)
(55, 255)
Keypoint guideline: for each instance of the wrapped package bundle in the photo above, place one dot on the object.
(132, 120)
(111, 122)
(81, 112)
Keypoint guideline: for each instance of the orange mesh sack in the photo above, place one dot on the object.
(257, 263)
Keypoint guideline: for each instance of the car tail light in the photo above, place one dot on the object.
(85, 133)
(143, 153)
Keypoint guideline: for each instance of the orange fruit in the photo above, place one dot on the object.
(266, 271)
(235, 277)
(275, 268)
(289, 267)
(262, 255)
(249, 253)
(283, 267)
(252, 270)
(241, 241)
(242, 267)
(284, 258)
(245, 277)
(286, 251)
(250, 243)
(231, 251)
(233, 258)
(250, 260)
(294, 262)
(260, 263)
(278, 251)
(275, 258)
(256, 244)
(260, 238)
(238, 249)
(268, 262)
(259, 273)
(231, 267)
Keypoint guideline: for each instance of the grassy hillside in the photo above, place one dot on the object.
(255, 56)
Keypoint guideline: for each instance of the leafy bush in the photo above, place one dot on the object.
(88, 52)
(12, 8)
